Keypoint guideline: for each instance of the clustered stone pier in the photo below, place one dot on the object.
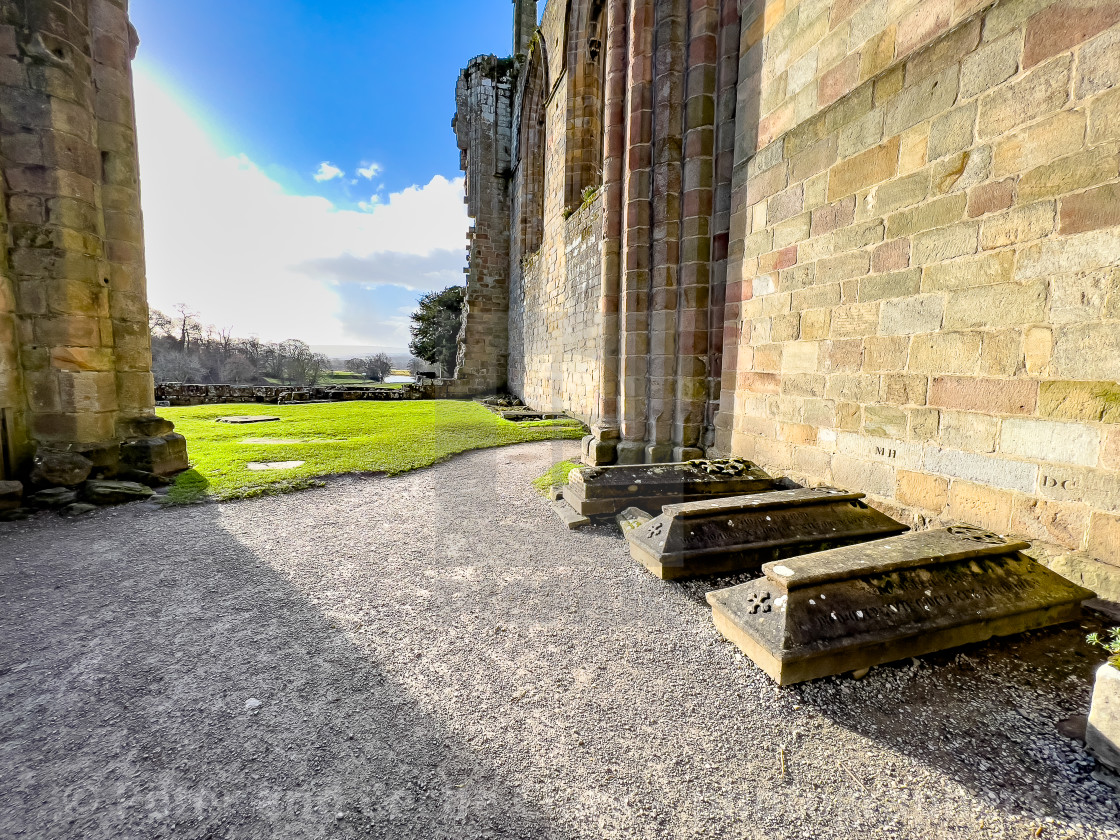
(75, 355)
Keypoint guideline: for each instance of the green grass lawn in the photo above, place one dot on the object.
(332, 439)
(556, 475)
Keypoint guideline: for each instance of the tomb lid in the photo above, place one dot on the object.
(925, 548)
(799, 497)
(597, 482)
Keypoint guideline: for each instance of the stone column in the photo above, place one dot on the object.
(68, 154)
(637, 186)
(671, 22)
(726, 99)
(696, 244)
(601, 447)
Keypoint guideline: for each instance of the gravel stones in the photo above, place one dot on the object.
(77, 509)
(387, 624)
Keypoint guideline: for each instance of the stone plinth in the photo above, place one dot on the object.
(601, 491)
(739, 534)
(1102, 735)
(859, 606)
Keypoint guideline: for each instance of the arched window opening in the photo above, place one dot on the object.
(586, 79)
(531, 151)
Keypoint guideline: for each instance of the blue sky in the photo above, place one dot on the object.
(298, 168)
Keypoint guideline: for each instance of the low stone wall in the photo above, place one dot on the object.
(177, 394)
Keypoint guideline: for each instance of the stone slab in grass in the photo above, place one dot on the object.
(739, 534)
(851, 608)
(247, 419)
(267, 466)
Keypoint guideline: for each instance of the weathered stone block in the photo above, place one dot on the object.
(1060, 523)
(607, 490)
(864, 170)
(1104, 538)
(741, 533)
(1021, 224)
(983, 469)
(991, 65)
(1051, 441)
(996, 396)
(985, 270)
(1091, 210)
(912, 315)
(856, 607)
(1102, 734)
(970, 431)
(1006, 304)
(945, 353)
(1069, 174)
(59, 469)
(1095, 402)
(11, 495)
(1043, 90)
(928, 492)
(1063, 26)
(114, 492)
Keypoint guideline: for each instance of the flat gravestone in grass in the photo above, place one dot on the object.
(244, 420)
(335, 439)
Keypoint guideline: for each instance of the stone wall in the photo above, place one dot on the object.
(554, 323)
(926, 259)
(13, 440)
(483, 128)
(873, 243)
(73, 234)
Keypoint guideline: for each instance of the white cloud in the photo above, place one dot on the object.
(225, 238)
(328, 172)
(370, 172)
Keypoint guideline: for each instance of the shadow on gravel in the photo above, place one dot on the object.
(987, 715)
(170, 683)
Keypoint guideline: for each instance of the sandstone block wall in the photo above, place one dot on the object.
(926, 259)
(554, 319)
(75, 352)
(483, 128)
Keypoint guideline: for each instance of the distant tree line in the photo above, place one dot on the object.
(184, 350)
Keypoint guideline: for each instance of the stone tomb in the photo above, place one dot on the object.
(739, 534)
(605, 491)
(855, 607)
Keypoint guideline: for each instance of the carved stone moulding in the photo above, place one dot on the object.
(855, 607)
(605, 491)
(739, 534)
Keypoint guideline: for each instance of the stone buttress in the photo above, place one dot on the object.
(75, 355)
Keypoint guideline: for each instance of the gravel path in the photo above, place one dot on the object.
(431, 656)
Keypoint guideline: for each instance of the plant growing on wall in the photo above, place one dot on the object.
(1110, 643)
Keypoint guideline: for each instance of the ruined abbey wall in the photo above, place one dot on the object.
(930, 271)
(865, 242)
(75, 352)
(554, 318)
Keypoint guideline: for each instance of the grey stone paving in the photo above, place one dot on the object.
(435, 656)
